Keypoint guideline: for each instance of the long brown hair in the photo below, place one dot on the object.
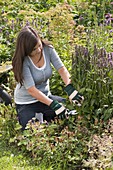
(26, 41)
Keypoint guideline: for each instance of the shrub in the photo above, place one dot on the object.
(60, 145)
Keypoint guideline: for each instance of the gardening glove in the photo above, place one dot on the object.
(74, 95)
(59, 109)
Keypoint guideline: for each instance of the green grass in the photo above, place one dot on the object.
(13, 159)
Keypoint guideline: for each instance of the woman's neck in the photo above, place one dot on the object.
(36, 58)
(38, 61)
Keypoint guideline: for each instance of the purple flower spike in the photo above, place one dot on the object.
(7, 33)
(108, 15)
(110, 31)
(17, 19)
(111, 55)
(111, 63)
(2, 12)
(27, 23)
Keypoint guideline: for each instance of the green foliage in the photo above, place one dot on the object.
(60, 145)
(4, 51)
(91, 73)
(15, 15)
(89, 12)
(44, 5)
(7, 122)
(12, 158)
(67, 144)
(101, 36)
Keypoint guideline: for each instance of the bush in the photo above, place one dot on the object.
(60, 145)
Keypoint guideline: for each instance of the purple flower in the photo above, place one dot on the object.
(27, 23)
(81, 18)
(85, 52)
(110, 31)
(3, 27)
(108, 21)
(111, 63)
(2, 12)
(108, 15)
(7, 33)
(109, 56)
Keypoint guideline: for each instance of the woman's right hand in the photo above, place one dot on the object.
(59, 109)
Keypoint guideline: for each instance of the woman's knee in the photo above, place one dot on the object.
(24, 115)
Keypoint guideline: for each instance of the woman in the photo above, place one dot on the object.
(32, 69)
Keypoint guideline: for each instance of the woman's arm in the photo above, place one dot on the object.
(59, 109)
(33, 91)
(65, 75)
(73, 94)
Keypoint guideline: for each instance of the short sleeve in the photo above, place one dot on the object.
(27, 76)
(55, 59)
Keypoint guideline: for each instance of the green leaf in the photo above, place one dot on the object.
(89, 90)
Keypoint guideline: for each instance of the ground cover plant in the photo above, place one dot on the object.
(81, 32)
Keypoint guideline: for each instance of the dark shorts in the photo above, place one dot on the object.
(26, 112)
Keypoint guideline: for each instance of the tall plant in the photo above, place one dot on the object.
(92, 72)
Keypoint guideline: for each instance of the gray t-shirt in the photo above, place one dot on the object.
(38, 77)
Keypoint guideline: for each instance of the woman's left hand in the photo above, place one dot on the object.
(74, 96)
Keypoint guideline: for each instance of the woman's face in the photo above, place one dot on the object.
(37, 49)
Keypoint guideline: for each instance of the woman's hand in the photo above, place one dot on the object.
(59, 109)
(74, 96)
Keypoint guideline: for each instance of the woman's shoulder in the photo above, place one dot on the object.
(48, 49)
(48, 46)
(26, 60)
